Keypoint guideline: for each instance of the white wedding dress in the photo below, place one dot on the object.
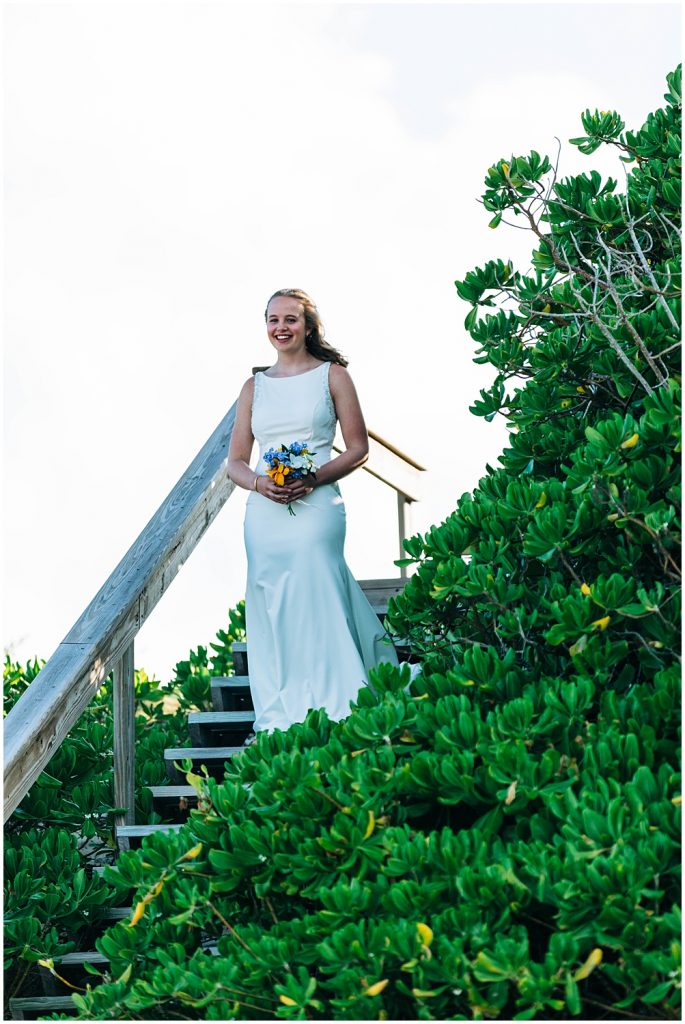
(312, 635)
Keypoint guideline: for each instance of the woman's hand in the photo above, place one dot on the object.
(295, 489)
(268, 488)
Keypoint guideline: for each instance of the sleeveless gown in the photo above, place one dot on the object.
(311, 632)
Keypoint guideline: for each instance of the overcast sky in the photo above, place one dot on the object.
(168, 166)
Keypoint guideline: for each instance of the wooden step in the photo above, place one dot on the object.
(88, 956)
(117, 913)
(213, 757)
(209, 728)
(174, 800)
(231, 693)
(34, 1007)
(239, 655)
(379, 592)
(130, 836)
(70, 967)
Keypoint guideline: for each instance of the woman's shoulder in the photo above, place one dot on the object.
(339, 378)
(247, 389)
(338, 372)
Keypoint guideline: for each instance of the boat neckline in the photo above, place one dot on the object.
(289, 375)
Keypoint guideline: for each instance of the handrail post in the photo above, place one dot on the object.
(402, 517)
(125, 738)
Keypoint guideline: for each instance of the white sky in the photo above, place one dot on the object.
(168, 166)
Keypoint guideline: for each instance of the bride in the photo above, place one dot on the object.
(312, 634)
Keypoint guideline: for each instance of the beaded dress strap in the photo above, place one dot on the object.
(256, 391)
(327, 391)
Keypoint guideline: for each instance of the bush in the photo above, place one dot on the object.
(65, 824)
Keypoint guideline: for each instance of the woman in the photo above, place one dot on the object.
(312, 634)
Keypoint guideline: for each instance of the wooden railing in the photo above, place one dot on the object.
(398, 471)
(101, 640)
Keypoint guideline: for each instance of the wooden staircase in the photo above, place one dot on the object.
(216, 737)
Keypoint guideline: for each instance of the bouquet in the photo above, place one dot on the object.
(293, 460)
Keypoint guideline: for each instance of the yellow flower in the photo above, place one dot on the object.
(584, 589)
(603, 622)
(279, 473)
(425, 934)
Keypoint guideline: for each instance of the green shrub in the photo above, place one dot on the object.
(65, 823)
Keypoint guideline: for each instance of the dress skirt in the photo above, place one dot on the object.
(312, 634)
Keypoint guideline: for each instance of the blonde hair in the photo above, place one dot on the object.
(315, 340)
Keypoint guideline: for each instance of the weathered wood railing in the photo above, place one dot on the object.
(101, 640)
(398, 471)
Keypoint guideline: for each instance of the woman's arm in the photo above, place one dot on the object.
(354, 432)
(242, 440)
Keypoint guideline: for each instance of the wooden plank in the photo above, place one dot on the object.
(391, 584)
(45, 713)
(40, 1005)
(231, 693)
(213, 757)
(115, 914)
(196, 753)
(232, 726)
(231, 682)
(138, 831)
(217, 718)
(172, 792)
(91, 956)
(396, 451)
(239, 656)
(125, 738)
(215, 726)
(402, 523)
(174, 800)
(88, 956)
(378, 592)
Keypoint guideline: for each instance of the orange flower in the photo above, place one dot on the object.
(278, 473)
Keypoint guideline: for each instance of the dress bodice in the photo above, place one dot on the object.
(297, 408)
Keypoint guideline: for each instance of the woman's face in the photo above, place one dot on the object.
(285, 324)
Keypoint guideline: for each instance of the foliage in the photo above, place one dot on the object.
(501, 838)
(65, 824)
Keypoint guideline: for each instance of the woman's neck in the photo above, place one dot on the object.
(289, 367)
